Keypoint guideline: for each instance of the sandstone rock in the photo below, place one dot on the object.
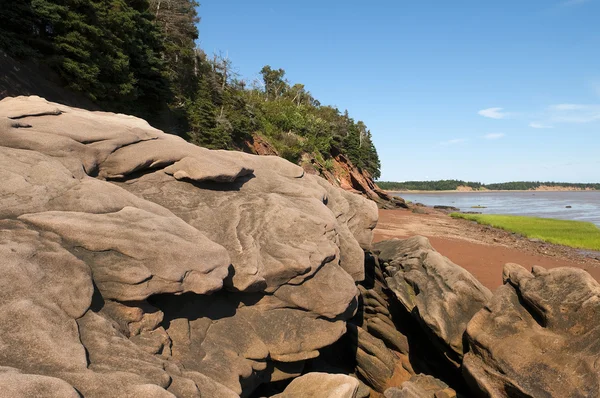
(538, 336)
(446, 208)
(321, 385)
(350, 178)
(442, 296)
(126, 267)
(421, 386)
(17, 385)
(136, 264)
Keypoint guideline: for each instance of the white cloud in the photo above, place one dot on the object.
(568, 107)
(493, 113)
(574, 113)
(453, 141)
(494, 136)
(537, 125)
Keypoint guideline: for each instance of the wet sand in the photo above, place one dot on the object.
(481, 250)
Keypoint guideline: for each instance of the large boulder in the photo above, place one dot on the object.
(441, 295)
(421, 386)
(321, 385)
(136, 264)
(539, 336)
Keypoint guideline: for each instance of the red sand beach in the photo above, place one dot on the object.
(481, 250)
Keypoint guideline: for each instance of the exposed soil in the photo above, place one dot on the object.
(480, 249)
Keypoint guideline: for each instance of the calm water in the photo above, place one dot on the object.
(585, 204)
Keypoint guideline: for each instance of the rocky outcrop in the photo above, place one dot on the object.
(384, 345)
(321, 385)
(347, 176)
(136, 264)
(440, 295)
(258, 145)
(421, 386)
(537, 337)
(339, 172)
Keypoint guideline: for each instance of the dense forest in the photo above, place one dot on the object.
(140, 57)
(451, 185)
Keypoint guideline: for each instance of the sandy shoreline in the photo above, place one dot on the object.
(480, 249)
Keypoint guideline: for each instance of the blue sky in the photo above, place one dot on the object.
(485, 91)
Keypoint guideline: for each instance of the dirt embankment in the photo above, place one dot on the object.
(560, 189)
(482, 250)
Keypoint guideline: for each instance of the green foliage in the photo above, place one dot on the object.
(218, 114)
(110, 50)
(442, 185)
(577, 234)
(177, 20)
(140, 57)
(296, 123)
(450, 185)
(17, 27)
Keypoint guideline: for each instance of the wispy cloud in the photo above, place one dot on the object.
(493, 113)
(494, 136)
(574, 113)
(537, 125)
(568, 107)
(453, 141)
(571, 3)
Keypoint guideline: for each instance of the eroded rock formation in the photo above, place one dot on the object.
(136, 264)
(539, 336)
(421, 386)
(441, 295)
(319, 385)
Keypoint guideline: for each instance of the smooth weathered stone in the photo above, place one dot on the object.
(184, 261)
(17, 385)
(321, 385)
(421, 386)
(538, 336)
(136, 264)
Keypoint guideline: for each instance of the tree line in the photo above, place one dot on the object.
(140, 57)
(451, 185)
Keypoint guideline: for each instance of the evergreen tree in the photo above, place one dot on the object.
(139, 57)
(17, 27)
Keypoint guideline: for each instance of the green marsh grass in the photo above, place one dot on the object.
(583, 235)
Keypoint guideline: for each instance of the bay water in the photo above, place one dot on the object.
(585, 205)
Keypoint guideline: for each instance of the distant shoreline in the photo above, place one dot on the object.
(493, 191)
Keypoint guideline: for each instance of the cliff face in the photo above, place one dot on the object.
(340, 172)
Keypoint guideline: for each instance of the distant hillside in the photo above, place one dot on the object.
(453, 185)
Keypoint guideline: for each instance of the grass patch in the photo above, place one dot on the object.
(583, 235)
(478, 207)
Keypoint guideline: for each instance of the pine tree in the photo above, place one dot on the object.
(17, 27)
